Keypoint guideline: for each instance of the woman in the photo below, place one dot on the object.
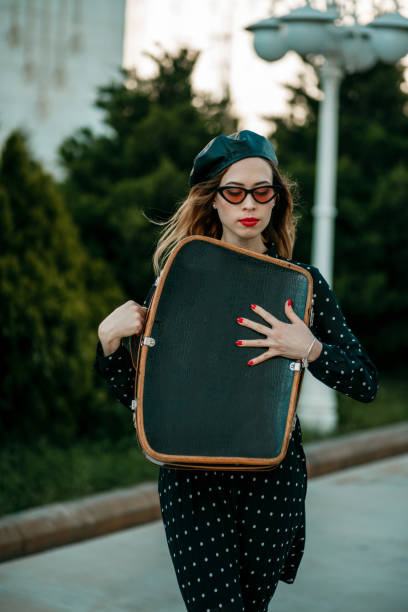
(233, 535)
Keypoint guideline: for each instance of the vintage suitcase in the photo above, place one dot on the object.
(197, 402)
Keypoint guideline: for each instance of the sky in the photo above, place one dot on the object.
(217, 28)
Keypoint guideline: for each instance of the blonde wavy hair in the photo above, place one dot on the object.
(196, 216)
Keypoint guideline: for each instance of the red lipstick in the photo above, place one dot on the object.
(249, 221)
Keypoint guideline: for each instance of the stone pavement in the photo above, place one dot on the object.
(356, 557)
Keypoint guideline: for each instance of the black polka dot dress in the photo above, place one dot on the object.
(233, 535)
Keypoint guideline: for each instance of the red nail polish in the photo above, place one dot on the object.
(238, 342)
(250, 362)
(240, 319)
(253, 305)
(289, 302)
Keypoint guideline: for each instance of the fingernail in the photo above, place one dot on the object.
(289, 302)
(240, 319)
(250, 362)
(238, 342)
(253, 305)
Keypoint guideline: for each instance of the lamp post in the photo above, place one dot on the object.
(334, 43)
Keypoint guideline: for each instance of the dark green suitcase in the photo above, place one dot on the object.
(197, 402)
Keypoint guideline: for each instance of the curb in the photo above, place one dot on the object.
(33, 531)
(355, 448)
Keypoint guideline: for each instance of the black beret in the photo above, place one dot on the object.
(223, 151)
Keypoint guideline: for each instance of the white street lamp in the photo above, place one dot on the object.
(333, 48)
(267, 47)
(389, 36)
(307, 30)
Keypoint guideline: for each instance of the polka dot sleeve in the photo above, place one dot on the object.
(117, 368)
(343, 364)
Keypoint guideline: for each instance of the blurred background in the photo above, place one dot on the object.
(104, 105)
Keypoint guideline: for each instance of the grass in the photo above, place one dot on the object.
(43, 473)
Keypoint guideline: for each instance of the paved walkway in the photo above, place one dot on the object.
(356, 557)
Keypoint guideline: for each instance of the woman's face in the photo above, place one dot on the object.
(249, 172)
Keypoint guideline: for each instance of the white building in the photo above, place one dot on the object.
(53, 56)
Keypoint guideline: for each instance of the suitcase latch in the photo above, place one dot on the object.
(147, 340)
(295, 366)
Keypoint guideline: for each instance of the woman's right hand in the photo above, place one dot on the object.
(126, 320)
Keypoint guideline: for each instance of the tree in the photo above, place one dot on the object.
(141, 167)
(53, 297)
(370, 240)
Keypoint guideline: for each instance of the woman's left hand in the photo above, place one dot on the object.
(290, 340)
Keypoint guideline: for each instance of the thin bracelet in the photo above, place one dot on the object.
(305, 362)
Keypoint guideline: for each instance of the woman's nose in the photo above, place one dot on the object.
(249, 201)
